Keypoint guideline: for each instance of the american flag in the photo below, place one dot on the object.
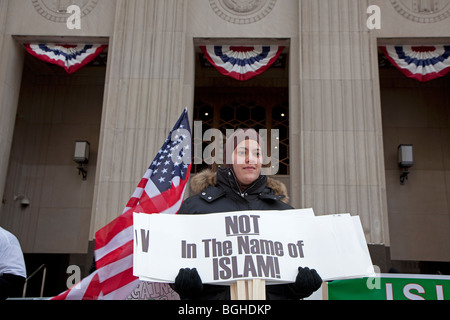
(161, 190)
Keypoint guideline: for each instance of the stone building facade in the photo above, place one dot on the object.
(347, 114)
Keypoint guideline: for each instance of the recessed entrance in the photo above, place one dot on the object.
(261, 103)
(55, 109)
(417, 113)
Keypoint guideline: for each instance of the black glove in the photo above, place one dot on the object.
(307, 282)
(188, 283)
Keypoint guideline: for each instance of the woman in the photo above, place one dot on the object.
(237, 186)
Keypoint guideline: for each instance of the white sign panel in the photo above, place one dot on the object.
(226, 247)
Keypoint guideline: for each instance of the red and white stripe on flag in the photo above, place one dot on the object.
(242, 62)
(161, 190)
(423, 63)
(70, 57)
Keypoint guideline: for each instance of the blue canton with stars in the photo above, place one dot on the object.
(174, 157)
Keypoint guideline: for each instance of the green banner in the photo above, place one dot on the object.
(391, 287)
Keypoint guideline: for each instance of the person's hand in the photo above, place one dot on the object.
(188, 283)
(307, 282)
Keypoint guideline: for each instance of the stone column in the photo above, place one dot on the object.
(340, 162)
(143, 98)
(11, 64)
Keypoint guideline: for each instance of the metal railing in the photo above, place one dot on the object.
(44, 274)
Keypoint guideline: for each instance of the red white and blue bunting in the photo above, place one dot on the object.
(423, 63)
(70, 57)
(242, 62)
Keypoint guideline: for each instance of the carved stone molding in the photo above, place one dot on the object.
(55, 10)
(242, 11)
(423, 11)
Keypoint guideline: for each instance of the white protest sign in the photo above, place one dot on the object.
(226, 247)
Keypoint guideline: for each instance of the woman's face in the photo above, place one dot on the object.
(247, 161)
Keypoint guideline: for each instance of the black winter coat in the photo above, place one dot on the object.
(219, 192)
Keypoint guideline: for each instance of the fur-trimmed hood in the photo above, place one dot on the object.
(208, 178)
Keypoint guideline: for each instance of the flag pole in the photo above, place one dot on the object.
(254, 289)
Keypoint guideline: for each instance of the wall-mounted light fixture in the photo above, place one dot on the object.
(405, 160)
(24, 201)
(81, 156)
